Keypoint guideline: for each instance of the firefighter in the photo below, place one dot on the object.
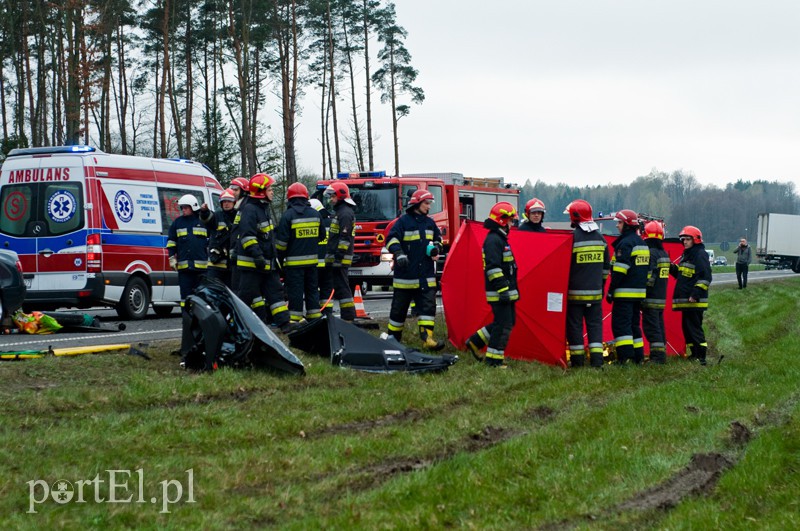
(628, 287)
(534, 216)
(693, 274)
(589, 269)
(219, 245)
(297, 241)
(415, 241)
(187, 247)
(241, 189)
(259, 281)
(656, 296)
(500, 271)
(325, 285)
(339, 252)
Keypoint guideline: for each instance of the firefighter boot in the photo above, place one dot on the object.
(596, 359)
(658, 356)
(624, 354)
(397, 334)
(638, 355)
(701, 354)
(474, 345)
(694, 355)
(426, 335)
(577, 360)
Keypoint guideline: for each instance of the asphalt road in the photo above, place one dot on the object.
(153, 328)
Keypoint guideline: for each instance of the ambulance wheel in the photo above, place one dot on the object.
(135, 300)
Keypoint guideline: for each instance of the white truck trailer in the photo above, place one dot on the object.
(778, 243)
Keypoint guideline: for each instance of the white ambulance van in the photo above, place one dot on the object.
(90, 228)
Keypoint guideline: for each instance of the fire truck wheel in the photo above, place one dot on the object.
(135, 300)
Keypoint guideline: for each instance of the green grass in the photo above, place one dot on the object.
(531, 446)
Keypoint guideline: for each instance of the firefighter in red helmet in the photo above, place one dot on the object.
(656, 296)
(415, 241)
(534, 216)
(339, 254)
(259, 280)
(589, 267)
(500, 272)
(628, 287)
(690, 297)
(297, 241)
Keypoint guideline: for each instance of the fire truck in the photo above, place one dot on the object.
(381, 199)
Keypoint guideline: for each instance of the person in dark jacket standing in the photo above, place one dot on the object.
(297, 241)
(500, 271)
(534, 216)
(588, 271)
(219, 224)
(656, 296)
(259, 281)
(241, 189)
(744, 257)
(339, 253)
(628, 287)
(690, 297)
(415, 241)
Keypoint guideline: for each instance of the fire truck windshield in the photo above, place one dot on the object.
(375, 203)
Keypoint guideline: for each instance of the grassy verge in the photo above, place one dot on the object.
(678, 446)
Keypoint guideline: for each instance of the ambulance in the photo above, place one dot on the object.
(90, 228)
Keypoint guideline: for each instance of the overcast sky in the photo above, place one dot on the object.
(598, 91)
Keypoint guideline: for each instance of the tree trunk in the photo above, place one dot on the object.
(240, 53)
(356, 128)
(368, 88)
(124, 92)
(164, 81)
(331, 63)
(189, 83)
(72, 102)
(393, 93)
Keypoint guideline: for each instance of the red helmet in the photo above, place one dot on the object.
(418, 197)
(297, 190)
(628, 217)
(579, 211)
(653, 230)
(242, 183)
(692, 231)
(502, 213)
(227, 195)
(259, 184)
(535, 205)
(339, 190)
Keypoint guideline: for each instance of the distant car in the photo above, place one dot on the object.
(720, 260)
(12, 284)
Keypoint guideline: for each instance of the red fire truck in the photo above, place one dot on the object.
(381, 199)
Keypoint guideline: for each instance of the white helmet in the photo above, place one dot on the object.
(189, 200)
(316, 204)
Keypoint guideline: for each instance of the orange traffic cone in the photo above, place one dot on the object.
(361, 312)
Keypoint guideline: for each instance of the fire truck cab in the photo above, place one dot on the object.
(381, 199)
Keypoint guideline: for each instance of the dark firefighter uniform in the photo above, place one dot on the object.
(693, 278)
(339, 256)
(325, 281)
(410, 236)
(259, 282)
(297, 241)
(655, 301)
(500, 272)
(529, 226)
(628, 288)
(219, 224)
(588, 271)
(188, 243)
